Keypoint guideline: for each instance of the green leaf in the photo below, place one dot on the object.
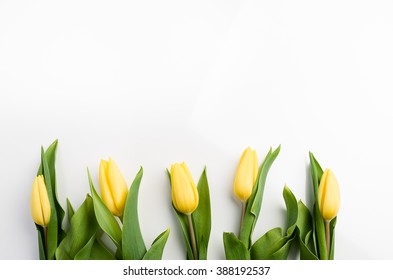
(133, 245)
(255, 201)
(316, 174)
(157, 247)
(105, 218)
(305, 230)
(70, 210)
(202, 249)
(83, 227)
(202, 217)
(100, 252)
(234, 248)
(283, 252)
(273, 245)
(184, 226)
(292, 210)
(85, 252)
(304, 220)
(52, 228)
(50, 155)
(332, 237)
(41, 247)
(267, 245)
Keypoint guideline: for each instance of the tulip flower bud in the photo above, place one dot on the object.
(328, 195)
(113, 187)
(39, 202)
(184, 192)
(246, 174)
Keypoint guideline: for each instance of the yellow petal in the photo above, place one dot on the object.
(329, 195)
(118, 186)
(105, 188)
(184, 192)
(246, 174)
(39, 202)
(45, 205)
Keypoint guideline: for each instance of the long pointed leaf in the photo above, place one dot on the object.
(202, 217)
(234, 248)
(83, 227)
(50, 155)
(269, 243)
(41, 247)
(70, 210)
(184, 226)
(292, 210)
(332, 237)
(316, 173)
(105, 218)
(52, 229)
(254, 204)
(157, 247)
(283, 252)
(305, 230)
(100, 252)
(85, 252)
(133, 245)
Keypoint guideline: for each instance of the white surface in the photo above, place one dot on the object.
(155, 82)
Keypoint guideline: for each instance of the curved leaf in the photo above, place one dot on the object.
(319, 231)
(133, 245)
(305, 231)
(83, 227)
(105, 218)
(292, 210)
(100, 252)
(85, 252)
(254, 204)
(283, 252)
(184, 227)
(202, 217)
(50, 155)
(268, 244)
(70, 210)
(332, 237)
(234, 248)
(157, 247)
(41, 247)
(52, 228)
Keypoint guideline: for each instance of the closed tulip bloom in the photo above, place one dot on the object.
(328, 195)
(39, 202)
(184, 192)
(113, 187)
(246, 174)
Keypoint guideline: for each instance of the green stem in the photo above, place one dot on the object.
(327, 235)
(192, 236)
(46, 241)
(244, 205)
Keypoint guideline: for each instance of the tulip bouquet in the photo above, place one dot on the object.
(115, 214)
(83, 238)
(192, 207)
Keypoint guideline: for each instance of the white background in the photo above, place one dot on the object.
(154, 82)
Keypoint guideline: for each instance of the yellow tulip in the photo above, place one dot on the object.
(113, 187)
(246, 174)
(184, 192)
(328, 195)
(39, 202)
